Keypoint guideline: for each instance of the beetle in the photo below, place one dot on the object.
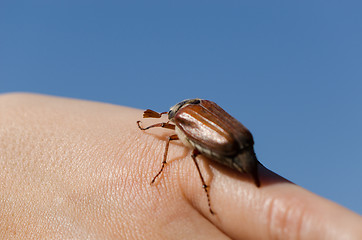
(208, 130)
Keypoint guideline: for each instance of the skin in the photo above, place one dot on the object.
(72, 169)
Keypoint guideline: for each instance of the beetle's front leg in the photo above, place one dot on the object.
(162, 125)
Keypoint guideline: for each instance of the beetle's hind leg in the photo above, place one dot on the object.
(164, 162)
(204, 186)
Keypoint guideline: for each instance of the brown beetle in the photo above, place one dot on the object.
(210, 131)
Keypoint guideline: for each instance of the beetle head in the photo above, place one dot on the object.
(178, 106)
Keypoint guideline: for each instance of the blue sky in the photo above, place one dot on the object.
(291, 71)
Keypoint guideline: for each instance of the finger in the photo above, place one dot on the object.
(276, 210)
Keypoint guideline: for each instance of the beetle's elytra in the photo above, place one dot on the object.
(210, 131)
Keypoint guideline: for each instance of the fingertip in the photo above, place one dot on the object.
(278, 209)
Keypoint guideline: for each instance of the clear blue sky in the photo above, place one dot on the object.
(291, 71)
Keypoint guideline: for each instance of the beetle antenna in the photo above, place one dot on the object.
(152, 114)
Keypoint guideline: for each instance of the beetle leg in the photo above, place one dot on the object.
(204, 186)
(164, 162)
(162, 125)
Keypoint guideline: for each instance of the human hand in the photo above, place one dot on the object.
(72, 169)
